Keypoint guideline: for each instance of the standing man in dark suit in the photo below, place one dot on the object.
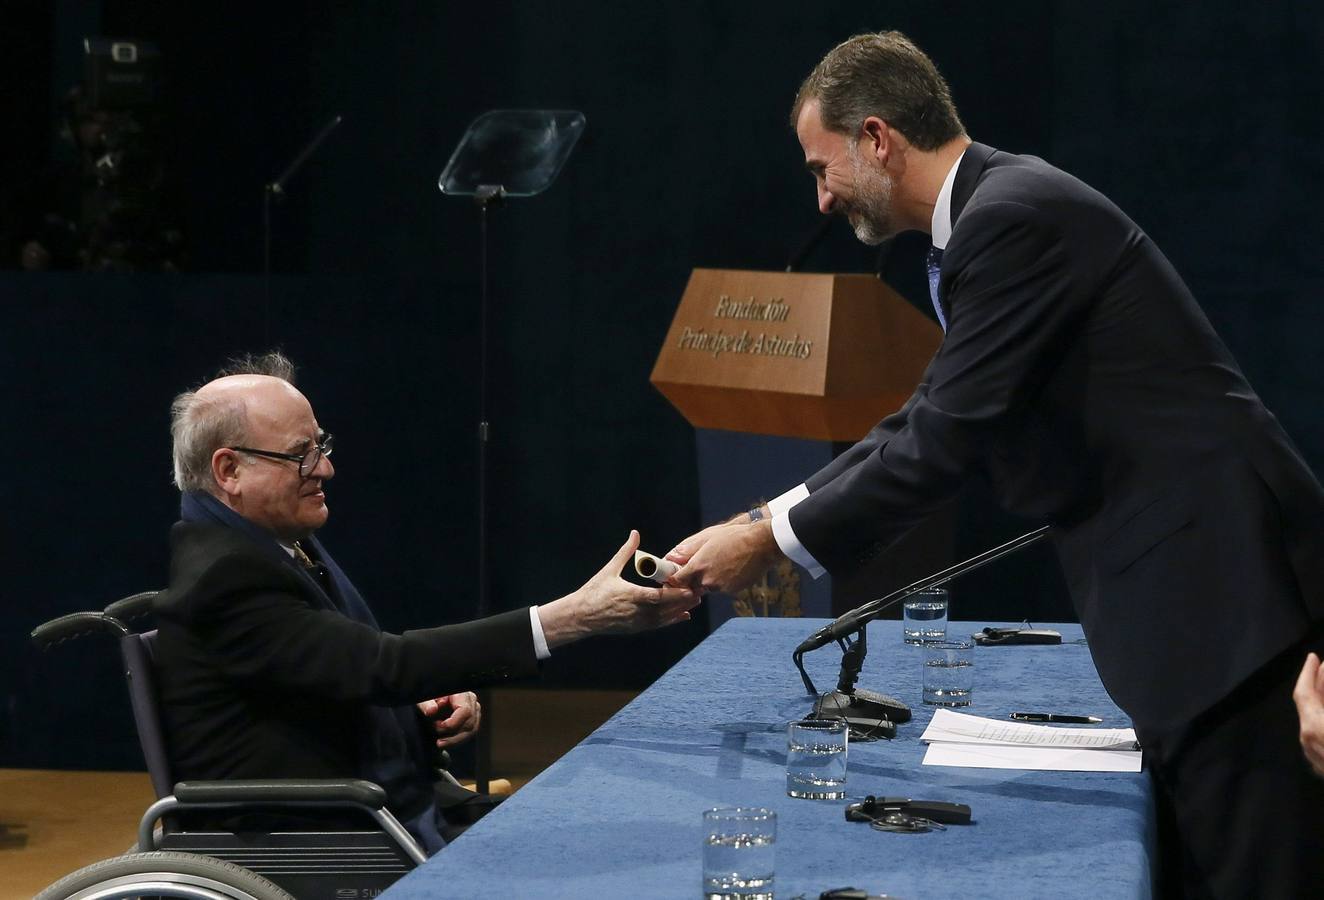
(1078, 376)
(271, 665)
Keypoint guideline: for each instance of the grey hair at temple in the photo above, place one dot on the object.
(199, 426)
(887, 76)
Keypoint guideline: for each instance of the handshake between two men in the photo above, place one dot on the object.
(723, 557)
(605, 604)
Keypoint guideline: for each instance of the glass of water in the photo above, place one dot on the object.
(739, 847)
(949, 673)
(816, 759)
(924, 617)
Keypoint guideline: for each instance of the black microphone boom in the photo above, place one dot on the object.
(869, 714)
(851, 622)
(277, 189)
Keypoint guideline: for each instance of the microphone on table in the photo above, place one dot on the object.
(870, 714)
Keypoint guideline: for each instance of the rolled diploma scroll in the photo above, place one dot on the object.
(652, 567)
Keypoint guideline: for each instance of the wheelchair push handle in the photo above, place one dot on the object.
(75, 625)
(135, 606)
(81, 624)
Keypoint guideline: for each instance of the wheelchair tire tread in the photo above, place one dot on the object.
(244, 883)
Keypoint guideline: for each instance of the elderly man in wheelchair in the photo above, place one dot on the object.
(289, 739)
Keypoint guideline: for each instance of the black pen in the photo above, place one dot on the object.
(1054, 717)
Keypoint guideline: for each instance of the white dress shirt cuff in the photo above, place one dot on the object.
(783, 503)
(540, 648)
(791, 546)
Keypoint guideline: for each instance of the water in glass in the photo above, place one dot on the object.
(816, 760)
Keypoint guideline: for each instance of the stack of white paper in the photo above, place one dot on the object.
(956, 739)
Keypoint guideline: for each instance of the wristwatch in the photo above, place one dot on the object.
(755, 513)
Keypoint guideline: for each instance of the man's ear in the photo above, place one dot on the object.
(878, 139)
(225, 470)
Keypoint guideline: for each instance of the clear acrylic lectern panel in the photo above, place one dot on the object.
(520, 151)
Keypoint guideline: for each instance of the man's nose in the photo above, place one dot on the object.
(323, 470)
(825, 200)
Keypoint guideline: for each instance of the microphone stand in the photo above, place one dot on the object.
(884, 258)
(487, 197)
(276, 188)
(808, 244)
(871, 714)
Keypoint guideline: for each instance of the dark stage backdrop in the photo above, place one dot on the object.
(1203, 122)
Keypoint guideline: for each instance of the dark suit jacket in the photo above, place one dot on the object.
(1080, 377)
(260, 675)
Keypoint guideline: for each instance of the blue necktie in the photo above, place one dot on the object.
(934, 264)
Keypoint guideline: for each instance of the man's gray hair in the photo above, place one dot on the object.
(199, 426)
(887, 76)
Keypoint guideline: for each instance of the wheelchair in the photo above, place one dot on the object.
(173, 860)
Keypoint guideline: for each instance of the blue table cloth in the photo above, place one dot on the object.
(620, 815)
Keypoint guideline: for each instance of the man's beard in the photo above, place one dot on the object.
(870, 210)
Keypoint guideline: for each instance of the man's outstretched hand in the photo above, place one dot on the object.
(727, 557)
(608, 604)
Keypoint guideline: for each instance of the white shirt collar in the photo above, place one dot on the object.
(942, 210)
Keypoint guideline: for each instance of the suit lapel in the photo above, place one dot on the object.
(342, 591)
(972, 165)
(312, 585)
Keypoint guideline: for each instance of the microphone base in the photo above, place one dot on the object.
(870, 715)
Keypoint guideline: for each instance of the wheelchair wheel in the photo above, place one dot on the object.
(163, 874)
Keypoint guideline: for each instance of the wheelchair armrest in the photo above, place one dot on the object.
(281, 791)
(316, 791)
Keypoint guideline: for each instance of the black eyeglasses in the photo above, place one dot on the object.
(307, 460)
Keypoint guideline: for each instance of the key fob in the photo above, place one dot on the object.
(938, 811)
(995, 636)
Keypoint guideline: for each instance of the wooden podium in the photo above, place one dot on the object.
(822, 357)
